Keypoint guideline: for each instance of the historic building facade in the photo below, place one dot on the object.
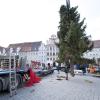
(51, 49)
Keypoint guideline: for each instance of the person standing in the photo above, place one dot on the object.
(58, 67)
(67, 68)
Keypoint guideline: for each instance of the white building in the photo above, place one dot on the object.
(52, 50)
(95, 52)
(31, 51)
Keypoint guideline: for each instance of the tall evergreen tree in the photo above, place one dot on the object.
(73, 41)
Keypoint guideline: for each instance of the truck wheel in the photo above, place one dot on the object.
(1, 86)
(19, 80)
(2, 81)
(6, 82)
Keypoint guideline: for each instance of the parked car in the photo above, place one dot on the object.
(97, 70)
(78, 72)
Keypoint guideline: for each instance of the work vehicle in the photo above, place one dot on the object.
(14, 70)
(10, 71)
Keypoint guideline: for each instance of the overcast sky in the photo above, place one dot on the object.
(37, 20)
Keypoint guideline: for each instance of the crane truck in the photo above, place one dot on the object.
(7, 64)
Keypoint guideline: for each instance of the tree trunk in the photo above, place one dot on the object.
(72, 70)
(66, 76)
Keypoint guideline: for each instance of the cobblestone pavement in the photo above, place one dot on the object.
(76, 88)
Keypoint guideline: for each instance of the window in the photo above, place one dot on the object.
(50, 58)
(47, 58)
(47, 53)
(53, 59)
(53, 48)
(53, 54)
(47, 48)
(50, 54)
(50, 48)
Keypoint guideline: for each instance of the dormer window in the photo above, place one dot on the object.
(11, 50)
(18, 49)
(35, 48)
